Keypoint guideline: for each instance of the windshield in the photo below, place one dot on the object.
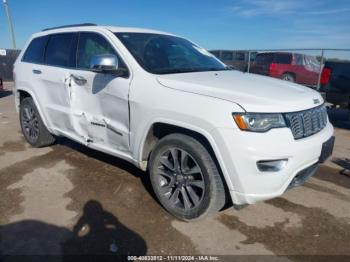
(165, 54)
(312, 64)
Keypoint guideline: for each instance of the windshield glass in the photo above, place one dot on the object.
(312, 64)
(165, 54)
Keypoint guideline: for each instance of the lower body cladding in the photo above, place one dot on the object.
(261, 166)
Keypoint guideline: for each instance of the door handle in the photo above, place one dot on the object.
(79, 80)
(37, 71)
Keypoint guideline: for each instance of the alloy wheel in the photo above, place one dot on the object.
(180, 179)
(30, 123)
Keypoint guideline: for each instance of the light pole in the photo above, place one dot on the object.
(9, 18)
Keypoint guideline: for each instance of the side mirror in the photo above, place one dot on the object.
(105, 63)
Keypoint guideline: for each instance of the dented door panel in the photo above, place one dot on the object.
(100, 112)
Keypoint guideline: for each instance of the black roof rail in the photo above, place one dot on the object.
(66, 26)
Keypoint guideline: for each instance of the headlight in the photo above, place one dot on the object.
(258, 122)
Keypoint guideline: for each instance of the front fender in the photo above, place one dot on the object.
(194, 128)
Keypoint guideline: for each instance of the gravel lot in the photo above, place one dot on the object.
(67, 199)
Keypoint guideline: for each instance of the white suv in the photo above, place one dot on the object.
(204, 132)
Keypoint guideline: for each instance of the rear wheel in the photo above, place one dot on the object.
(185, 178)
(288, 77)
(33, 128)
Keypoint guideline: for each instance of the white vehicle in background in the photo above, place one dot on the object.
(203, 131)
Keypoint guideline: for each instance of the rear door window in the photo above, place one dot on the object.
(61, 49)
(283, 58)
(35, 50)
(262, 59)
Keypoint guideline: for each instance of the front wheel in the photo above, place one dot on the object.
(185, 178)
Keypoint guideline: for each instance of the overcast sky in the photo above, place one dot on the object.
(243, 24)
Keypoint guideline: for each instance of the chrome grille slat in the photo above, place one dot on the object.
(308, 122)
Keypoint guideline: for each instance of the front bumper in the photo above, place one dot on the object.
(240, 151)
(303, 176)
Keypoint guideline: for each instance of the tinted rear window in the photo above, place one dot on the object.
(35, 50)
(283, 58)
(264, 59)
(60, 50)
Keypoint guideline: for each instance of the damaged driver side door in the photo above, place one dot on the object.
(99, 101)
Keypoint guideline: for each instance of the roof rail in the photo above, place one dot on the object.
(65, 26)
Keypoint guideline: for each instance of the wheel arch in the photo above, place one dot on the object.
(23, 93)
(160, 129)
(290, 73)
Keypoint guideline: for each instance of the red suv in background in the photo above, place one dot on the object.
(299, 68)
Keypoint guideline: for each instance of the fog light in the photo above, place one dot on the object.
(271, 165)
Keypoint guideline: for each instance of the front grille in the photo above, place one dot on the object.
(308, 122)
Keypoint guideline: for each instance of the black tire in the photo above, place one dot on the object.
(209, 200)
(33, 128)
(288, 77)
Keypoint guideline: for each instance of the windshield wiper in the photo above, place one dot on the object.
(176, 70)
(226, 68)
(189, 70)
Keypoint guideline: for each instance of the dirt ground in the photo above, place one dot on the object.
(67, 199)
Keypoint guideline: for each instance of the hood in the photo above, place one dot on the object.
(254, 93)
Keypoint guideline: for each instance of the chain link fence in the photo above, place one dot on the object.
(7, 59)
(303, 66)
